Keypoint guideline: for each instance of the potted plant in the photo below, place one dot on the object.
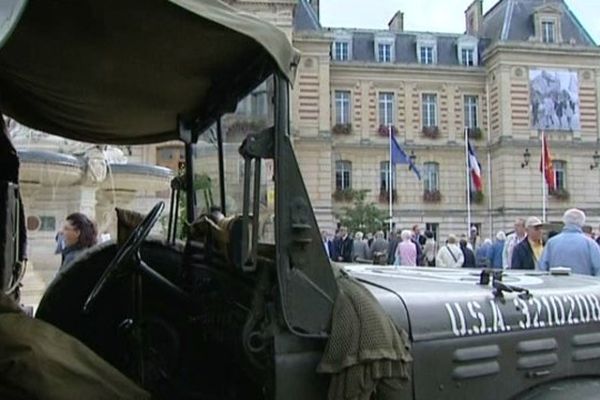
(431, 132)
(432, 196)
(342, 129)
(384, 130)
(560, 194)
(343, 195)
(477, 197)
(474, 133)
(384, 196)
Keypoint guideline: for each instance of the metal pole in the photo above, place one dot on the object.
(543, 177)
(189, 183)
(185, 134)
(468, 183)
(489, 153)
(221, 166)
(390, 211)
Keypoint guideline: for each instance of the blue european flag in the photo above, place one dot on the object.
(399, 157)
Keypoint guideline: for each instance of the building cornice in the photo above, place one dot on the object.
(308, 37)
(374, 68)
(540, 49)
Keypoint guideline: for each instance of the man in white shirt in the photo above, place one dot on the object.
(512, 241)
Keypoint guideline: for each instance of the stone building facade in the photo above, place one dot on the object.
(353, 85)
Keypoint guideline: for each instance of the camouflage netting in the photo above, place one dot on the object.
(366, 354)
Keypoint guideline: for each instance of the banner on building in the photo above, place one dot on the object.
(554, 100)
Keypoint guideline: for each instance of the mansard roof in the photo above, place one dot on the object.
(513, 20)
(405, 43)
(305, 17)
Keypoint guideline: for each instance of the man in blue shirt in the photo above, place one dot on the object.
(572, 248)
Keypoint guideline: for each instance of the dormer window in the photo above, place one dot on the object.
(548, 32)
(384, 52)
(426, 55)
(427, 49)
(547, 21)
(384, 48)
(341, 51)
(467, 57)
(341, 48)
(467, 51)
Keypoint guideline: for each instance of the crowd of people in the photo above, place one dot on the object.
(527, 247)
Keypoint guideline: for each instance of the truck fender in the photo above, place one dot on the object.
(574, 388)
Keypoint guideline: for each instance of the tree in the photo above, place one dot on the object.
(362, 216)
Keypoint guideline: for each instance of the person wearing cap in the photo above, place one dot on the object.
(512, 241)
(571, 248)
(526, 254)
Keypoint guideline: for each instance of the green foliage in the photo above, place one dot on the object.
(202, 182)
(362, 216)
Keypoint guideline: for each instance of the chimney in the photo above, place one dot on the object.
(474, 17)
(397, 22)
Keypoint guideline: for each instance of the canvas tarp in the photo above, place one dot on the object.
(38, 361)
(122, 71)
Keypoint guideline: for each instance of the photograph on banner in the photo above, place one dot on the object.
(554, 97)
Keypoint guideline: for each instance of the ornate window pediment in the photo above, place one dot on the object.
(547, 23)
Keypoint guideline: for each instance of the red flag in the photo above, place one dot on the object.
(546, 165)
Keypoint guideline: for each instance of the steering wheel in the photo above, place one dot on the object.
(127, 250)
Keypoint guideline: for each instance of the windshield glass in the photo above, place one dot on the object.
(253, 114)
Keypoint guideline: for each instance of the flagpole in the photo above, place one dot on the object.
(468, 170)
(390, 177)
(544, 146)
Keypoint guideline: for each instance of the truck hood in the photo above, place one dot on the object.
(448, 303)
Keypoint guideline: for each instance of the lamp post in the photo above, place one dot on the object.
(526, 158)
(596, 160)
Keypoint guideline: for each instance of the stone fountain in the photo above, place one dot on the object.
(60, 176)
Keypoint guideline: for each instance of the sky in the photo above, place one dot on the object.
(430, 15)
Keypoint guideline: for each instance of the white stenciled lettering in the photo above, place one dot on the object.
(475, 318)
(521, 305)
(548, 311)
(594, 306)
(537, 310)
(559, 310)
(583, 308)
(454, 321)
(497, 318)
(476, 314)
(570, 306)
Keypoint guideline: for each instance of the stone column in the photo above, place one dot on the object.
(86, 199)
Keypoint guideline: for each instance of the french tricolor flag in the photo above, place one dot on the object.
(475, 170)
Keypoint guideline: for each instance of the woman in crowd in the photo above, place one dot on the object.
(406, 251)
(79, 233)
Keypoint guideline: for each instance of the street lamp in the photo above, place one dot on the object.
(596, 158)
(413, 159)
(526, 157)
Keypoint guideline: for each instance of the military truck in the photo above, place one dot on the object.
(225, 314)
